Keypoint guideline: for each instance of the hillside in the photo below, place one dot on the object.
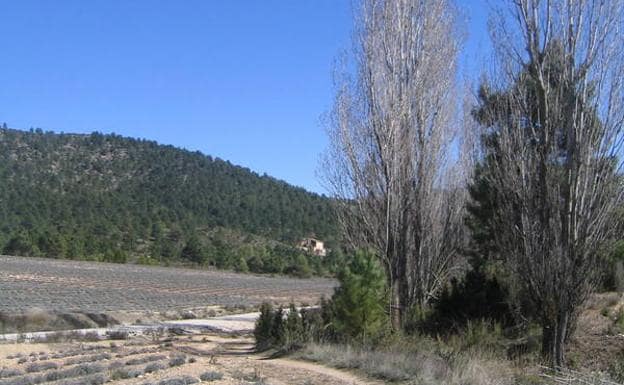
(108, 197)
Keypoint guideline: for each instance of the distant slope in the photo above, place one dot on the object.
(110, 197)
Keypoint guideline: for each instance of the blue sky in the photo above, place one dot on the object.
(243, 80)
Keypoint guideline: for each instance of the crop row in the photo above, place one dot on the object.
(96, 372)
(47, 284)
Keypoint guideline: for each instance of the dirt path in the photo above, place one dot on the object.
(244, 347)
(239, 352)
(338, 376)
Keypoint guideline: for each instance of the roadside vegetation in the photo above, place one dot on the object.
(469, 336)
(480, 231)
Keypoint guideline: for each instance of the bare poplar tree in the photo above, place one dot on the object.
(391, 132)
(553, 128)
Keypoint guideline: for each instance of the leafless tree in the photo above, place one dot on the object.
(553, 122)
(393, 134)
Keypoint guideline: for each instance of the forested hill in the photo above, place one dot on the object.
(107, 196)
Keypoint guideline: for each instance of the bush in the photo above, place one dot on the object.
(241, 265)
(299, 267)
(154, 367)
(263, 329)
(177, 360)
(294, 337)
(7, 372)
(277, 328)
(273, 330)
(115, 256)
(85, 359)
(211, 376)
(313, 324)
(39, 367)
(124, 373)
(356, 312)
(475, 297)
(613, 275)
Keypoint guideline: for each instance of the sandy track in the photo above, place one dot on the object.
(337, 376)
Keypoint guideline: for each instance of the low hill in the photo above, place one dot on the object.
(114, 198)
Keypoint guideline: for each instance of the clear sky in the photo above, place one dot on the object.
(243, 80)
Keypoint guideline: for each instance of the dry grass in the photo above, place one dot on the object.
(572, 377)
(424, 367)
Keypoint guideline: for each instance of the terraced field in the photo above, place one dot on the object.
(71, 286)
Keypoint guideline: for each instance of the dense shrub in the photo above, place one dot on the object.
(294, 336)
(477, 296)
(355, 313)
(277, 327)
(264, 326)
(285, 331)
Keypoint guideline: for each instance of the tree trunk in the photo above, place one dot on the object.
(554, 335)
(399, 304)
(395, 308)
(562, 335)
(548, 341)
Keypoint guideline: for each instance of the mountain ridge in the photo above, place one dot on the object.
(88, 195)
